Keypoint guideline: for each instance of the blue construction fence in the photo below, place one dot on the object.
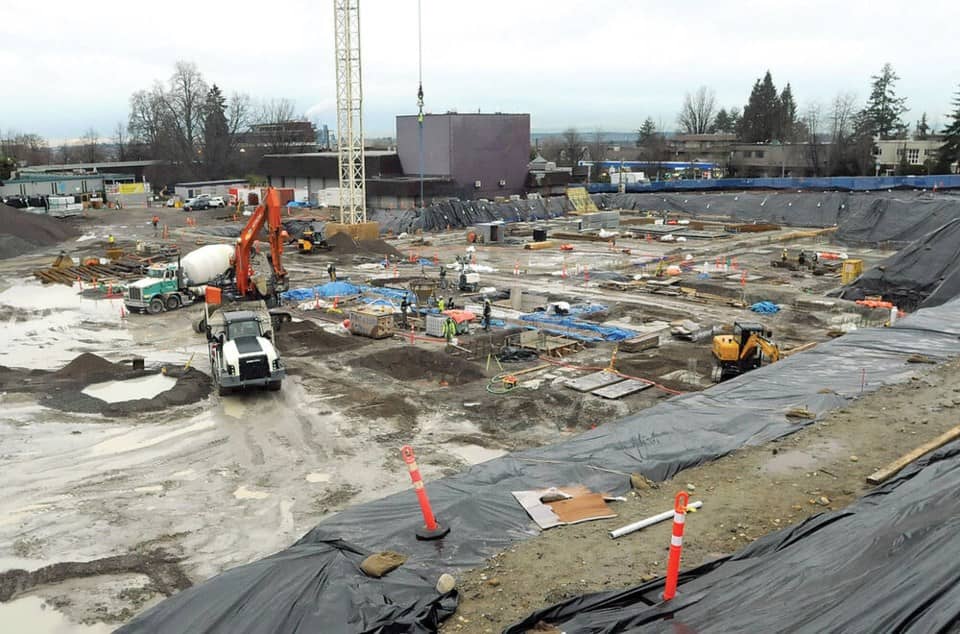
(835, 183)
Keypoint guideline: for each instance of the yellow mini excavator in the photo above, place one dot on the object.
(746, 349)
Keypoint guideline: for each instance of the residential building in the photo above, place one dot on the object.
(919, 154)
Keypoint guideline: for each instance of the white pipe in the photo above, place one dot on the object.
(650, 521)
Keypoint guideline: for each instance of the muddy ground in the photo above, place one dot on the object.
(748, 494)
(218, 482)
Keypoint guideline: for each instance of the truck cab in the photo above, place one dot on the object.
(157, 291)
(241, 353)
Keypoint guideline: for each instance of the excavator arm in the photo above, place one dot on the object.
(269, 213)
(769, 349)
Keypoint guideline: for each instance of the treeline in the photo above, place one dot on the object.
(186, 121)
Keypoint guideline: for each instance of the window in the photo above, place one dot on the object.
(899, 152)
(759, 153)
(747, 154)
(913, 156)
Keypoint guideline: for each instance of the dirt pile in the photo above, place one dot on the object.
(89, 366)
(411, 363)
(63, 389)
(343, 244)
(306, 337)
(23, 231)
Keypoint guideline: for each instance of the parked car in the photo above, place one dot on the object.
(196, 204)
(217, 201)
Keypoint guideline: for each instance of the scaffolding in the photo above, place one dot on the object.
(353, 198)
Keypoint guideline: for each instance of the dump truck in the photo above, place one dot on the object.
(168, 286)
(241, 350)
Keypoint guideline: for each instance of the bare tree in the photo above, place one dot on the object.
(120, 140)
(91, 145)
(696, 115)
(184, 101)
(813, 122)
(29, 148)
(842, 117)
(148, 116)
(572, 146)
(239, 116)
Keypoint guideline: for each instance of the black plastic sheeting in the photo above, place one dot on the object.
(861, 218)
(458, 214)
(886, 563)
(485, 518)
(925, 273)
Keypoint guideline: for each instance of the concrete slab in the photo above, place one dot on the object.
(593, 381)
(621, 389)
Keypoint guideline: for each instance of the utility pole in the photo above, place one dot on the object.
(353, 171)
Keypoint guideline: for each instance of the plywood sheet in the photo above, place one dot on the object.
(582, 508)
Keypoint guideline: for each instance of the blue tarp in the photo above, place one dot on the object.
(331, 289)
(765, 308)
(842, 183)
(603, 333)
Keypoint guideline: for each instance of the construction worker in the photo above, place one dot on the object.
(441, 304)
(449, 330)
(783, 255)
(111, 240)
(660, 268)
(486, 315)
(404, 307)
(802, 259)
(443, 277)
(450, 305)
(156, 224)
(332, 272)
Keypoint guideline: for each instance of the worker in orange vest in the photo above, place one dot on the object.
(156, 224)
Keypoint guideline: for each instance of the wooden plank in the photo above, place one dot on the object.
(882, 475)
(593, 381)
(621, 389)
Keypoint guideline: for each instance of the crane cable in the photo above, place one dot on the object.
(420, 96)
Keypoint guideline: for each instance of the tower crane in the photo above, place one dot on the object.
(353, 172)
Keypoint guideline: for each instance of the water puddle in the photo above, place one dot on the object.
(31, 614)
(472, 454)
(144, 387)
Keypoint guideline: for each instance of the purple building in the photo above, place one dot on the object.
(485, 155)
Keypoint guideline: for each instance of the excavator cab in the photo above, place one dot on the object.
(744, 350)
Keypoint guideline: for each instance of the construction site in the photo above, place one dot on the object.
(708, 409)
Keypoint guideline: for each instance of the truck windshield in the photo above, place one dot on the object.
(154, 272)
(244, 329)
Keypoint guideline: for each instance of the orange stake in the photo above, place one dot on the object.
(676, 544)
(431, 528)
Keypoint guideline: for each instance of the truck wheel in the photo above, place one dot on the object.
(200, 325)
(173, 302)
(155, 306)
(274, 386)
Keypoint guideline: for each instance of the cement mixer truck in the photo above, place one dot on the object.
(172, 285)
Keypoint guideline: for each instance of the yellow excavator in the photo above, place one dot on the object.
(310, 242)
(749, 347)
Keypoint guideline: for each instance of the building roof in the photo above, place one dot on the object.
(229, 181)
(329, 154)
(52, 178)
(66, 167)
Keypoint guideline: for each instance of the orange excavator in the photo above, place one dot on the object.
(245, 288)
(247, 285)
(748, 348)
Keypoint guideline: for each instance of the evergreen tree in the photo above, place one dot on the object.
(923, 129)
(646, 132)
(788, 115)
(216, 134)
(762, 114)
(721, 123)
(735, 118)
(950, 150)
(884, 108)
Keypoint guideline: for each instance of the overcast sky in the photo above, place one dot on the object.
(67, 66)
